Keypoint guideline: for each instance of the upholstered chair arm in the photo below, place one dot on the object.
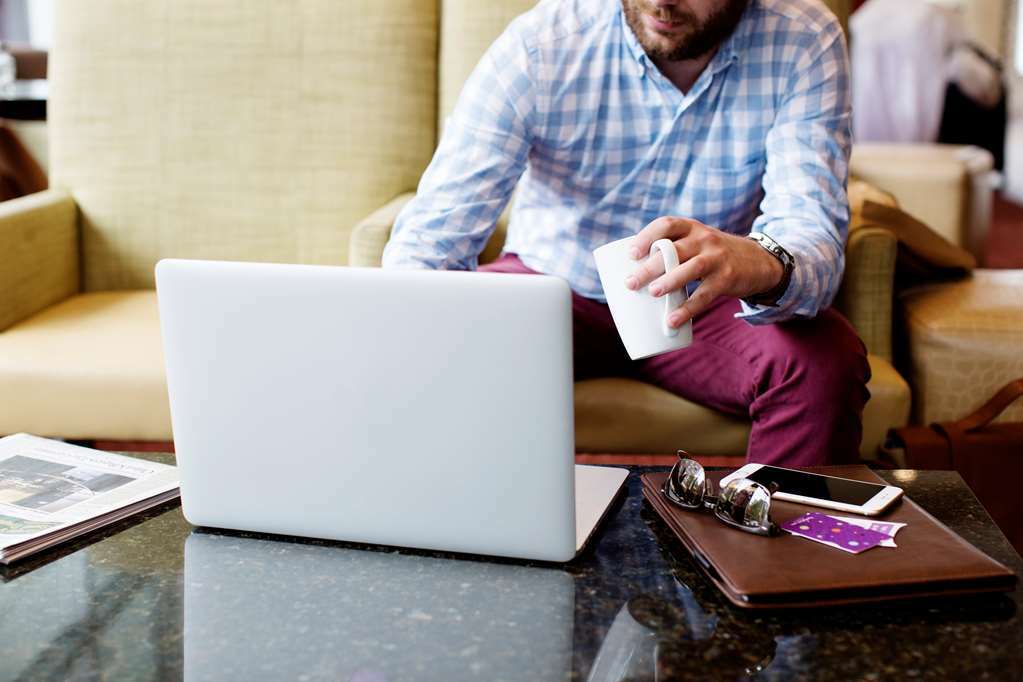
(370, 235)
(38, 253)
(865, 297)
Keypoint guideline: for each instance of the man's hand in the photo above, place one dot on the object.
(728, 265)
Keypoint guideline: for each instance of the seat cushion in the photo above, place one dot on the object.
(627, 416)
(88, 367)
(965, 343)
(616, 415)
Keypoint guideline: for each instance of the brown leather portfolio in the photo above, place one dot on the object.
(792, 572)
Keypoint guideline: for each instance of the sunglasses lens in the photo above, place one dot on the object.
(687, 483)
(745, 502)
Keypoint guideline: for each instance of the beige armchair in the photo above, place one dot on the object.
(624, 416)
(243, 132)
(227, 130)
(615, 415)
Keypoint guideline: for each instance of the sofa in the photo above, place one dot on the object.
(285, 132)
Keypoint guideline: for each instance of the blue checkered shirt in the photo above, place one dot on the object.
(567, 106)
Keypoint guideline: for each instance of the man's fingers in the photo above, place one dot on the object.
(696, 268)
(646, 273)
(697, 303)
(663, 227)
(653, 267)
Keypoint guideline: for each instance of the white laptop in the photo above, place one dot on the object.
(409, 408)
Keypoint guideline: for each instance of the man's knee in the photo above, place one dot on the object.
(824, 358)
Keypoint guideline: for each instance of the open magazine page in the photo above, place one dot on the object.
(46, 485)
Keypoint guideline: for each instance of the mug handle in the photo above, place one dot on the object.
(675, 299)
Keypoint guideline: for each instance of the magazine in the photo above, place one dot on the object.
(52, 491)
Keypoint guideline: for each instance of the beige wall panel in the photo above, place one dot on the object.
(467, 29)
(236, 129)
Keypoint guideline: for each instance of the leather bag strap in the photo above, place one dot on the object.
(994, 407)
(956, 432)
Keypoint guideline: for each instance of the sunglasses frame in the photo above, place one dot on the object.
(717, 503)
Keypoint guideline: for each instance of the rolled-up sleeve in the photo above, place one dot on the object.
(805, 206)
(478, 162)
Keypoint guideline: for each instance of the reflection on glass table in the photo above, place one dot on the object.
(654, 639)
(265, 609)
(634, 606)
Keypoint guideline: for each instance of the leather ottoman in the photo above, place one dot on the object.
(965, 342)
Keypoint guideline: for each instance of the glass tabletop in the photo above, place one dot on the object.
(155, 598)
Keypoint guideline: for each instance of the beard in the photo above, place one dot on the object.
(692, 38)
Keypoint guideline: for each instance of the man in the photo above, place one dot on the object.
(696, 120)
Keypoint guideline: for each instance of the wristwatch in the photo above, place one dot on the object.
(773, 295)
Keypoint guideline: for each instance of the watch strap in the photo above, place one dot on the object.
(771, 297)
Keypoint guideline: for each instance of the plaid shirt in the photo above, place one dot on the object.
(567, 100)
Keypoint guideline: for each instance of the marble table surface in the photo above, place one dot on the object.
(154, 598)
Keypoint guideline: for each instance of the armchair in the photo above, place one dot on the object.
(617, 415)
(625, 416)
(219, 130)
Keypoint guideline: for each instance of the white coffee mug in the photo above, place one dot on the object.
(641, 319)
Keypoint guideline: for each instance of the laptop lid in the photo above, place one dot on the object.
(409, 408)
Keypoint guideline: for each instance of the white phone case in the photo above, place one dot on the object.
(874, 506)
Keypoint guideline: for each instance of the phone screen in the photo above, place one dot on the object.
(817, 486)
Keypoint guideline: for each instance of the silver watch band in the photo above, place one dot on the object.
(774, 294)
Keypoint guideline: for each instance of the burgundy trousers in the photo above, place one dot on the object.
(802, 382)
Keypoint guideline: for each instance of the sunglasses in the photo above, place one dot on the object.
(742, 503)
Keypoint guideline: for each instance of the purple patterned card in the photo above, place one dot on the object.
(834, 532)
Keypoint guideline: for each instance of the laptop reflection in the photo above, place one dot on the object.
(270, 609)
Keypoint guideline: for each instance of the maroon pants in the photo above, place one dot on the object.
(802, 382)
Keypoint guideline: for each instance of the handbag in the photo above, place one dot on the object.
(988, 456)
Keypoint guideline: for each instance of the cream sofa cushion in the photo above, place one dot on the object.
(624, 415)
(965, 343)
(89, 367)
(236, 129)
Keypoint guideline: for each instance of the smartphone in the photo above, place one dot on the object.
(842, 494)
